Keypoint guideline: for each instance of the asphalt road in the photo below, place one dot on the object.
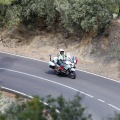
(101, 96)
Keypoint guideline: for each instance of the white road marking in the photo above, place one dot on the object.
(48, 81)
(16, 92)
(101, 100)
(20, 93)
(99, 76)
(47, 62)
(60, 83)
(52, 82)
(24, 57)
(114, 107)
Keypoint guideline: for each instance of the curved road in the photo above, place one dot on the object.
(101, 96)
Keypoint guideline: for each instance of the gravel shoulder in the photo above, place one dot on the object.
(7, 99)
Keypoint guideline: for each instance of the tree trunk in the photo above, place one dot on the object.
(119, 12)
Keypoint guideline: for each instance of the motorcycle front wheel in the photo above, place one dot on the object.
(73, 75)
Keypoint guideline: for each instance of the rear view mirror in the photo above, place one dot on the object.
(50, 57)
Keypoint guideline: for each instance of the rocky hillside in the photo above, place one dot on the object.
(86, 45)
(89, 49)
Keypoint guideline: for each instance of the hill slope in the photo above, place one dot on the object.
(94, 52)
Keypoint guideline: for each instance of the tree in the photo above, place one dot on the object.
(88, 15)
(32, 110)
(118, 2)
(13, 15)
(39, 9)
(3, 7)
(91, 15)
(36, 110)
(116, 117)
(69, 109)
(6, 2)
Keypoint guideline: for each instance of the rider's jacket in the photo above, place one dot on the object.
(61, 57)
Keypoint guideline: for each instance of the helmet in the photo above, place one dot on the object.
(61, 50)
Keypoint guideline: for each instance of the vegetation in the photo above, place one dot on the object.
(3, 7)
(39, 9)
(88, 15)
(61, 109)
(74, 15)
(36, 110)
(91, 15)
(116, 117)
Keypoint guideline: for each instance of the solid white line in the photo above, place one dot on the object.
(99, 76)
(47, 62)
(4, 88)
(101, 100)
(16, 91)
(48, 81)
(114, 107)
(24, 57)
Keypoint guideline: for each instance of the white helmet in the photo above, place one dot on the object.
(61, 50)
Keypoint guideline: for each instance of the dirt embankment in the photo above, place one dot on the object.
(94, 53)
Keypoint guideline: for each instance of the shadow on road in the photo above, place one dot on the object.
(52, 72)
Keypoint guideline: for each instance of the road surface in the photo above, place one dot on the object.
(101, 96)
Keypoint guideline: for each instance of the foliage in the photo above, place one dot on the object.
(36, 110)
(69, 110)
(118, 3)
(6, 2)
(39, 9)
(3, 6)
(91, 15)
(13, 16)
(116, 117)
(31, 110)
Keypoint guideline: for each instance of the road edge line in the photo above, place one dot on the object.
(47, 62)
(114, 107)
(48, 80)
(23, 94)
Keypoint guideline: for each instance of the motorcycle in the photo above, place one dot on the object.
(67, 68)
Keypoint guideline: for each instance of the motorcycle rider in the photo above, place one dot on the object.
(61, 56)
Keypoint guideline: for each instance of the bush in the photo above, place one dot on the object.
(35, 110)
(116, 117)
(13, 16)
(91, 15)
(37, 9)
(3, 6)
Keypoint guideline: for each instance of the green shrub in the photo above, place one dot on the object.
(91, 15)
(36, 9)
(3, 6)
(6, 2)
(13, 16)
(35, 110)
